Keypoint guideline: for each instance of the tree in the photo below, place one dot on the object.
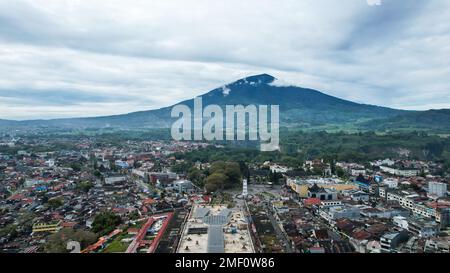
(163, 194)
(57, 242)
(275, 177)
(231, 170)
(76, 167)
(340, 172)
(55, 202)
(105, 222)
(85, 186)
(195, 175)
(182, 167)
(97, 173)
(134, 215)
(245, 171)
(233, 173)
(215, 182)
(137, 164)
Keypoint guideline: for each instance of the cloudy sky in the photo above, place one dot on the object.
(61, 58)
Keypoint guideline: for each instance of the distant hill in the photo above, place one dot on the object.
(299, 107)
(436, 120)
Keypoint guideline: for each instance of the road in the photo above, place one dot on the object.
(286, 243)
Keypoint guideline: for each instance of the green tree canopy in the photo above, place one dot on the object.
(215, 181)
(105, 222)
(57, 242)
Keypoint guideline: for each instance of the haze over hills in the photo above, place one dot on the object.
(299, 107)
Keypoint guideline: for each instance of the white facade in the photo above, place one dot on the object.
(438, 189)
(338, 212)
(244, 188)
(407, 201)
(327, 204)
(401, 222)
(50, 163)
(279, 169)
(115, 179)
(391, 183)
(356, 172)
(400, 172)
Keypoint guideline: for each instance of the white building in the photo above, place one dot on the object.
(391, 183)
(115, 179)
(337, 212)
(437, 189)
(385, 162)
(409, 201)
(400, 172)
(279, 169)
(50, 163)
(360, 196)
(401, 222)
(244, 188)
(356, 172)
(390, 241)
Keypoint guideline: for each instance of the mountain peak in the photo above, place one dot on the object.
(257, 79)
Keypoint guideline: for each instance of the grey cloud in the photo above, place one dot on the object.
(155, 53)
(57, 97)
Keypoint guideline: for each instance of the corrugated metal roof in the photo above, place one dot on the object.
(201, 212)
(215, 220)
(225, 212)
(216, 240)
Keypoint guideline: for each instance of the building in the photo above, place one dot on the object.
(244, 188)
(437, 245)
(122, 164)
(423, 228)
(47, 227)
(437, 189)
(390, 241)
(356, 172)
(183, 186)
(420, 227)
(280, 207)
(408, 200)
(360, 196)
(400, 172)
(325, 203)
(332, 214)
(322, 193)
(443, 217)
(401, 222)
(301, 186)
(162, 178)
(279, 169)
(391, 183)
(115, 180)
(385, 213)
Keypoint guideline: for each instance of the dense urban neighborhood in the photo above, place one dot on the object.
(85, 194)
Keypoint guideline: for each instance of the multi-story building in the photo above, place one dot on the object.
(443, 216)
(437, 189)
(338, 212)
(390, 241)
(391, 183)
(322, 193)
(47, 227)
(411, 201)
(423, 228)
(438, 245)
(420, 227)
(301, 186)
(400, 172)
